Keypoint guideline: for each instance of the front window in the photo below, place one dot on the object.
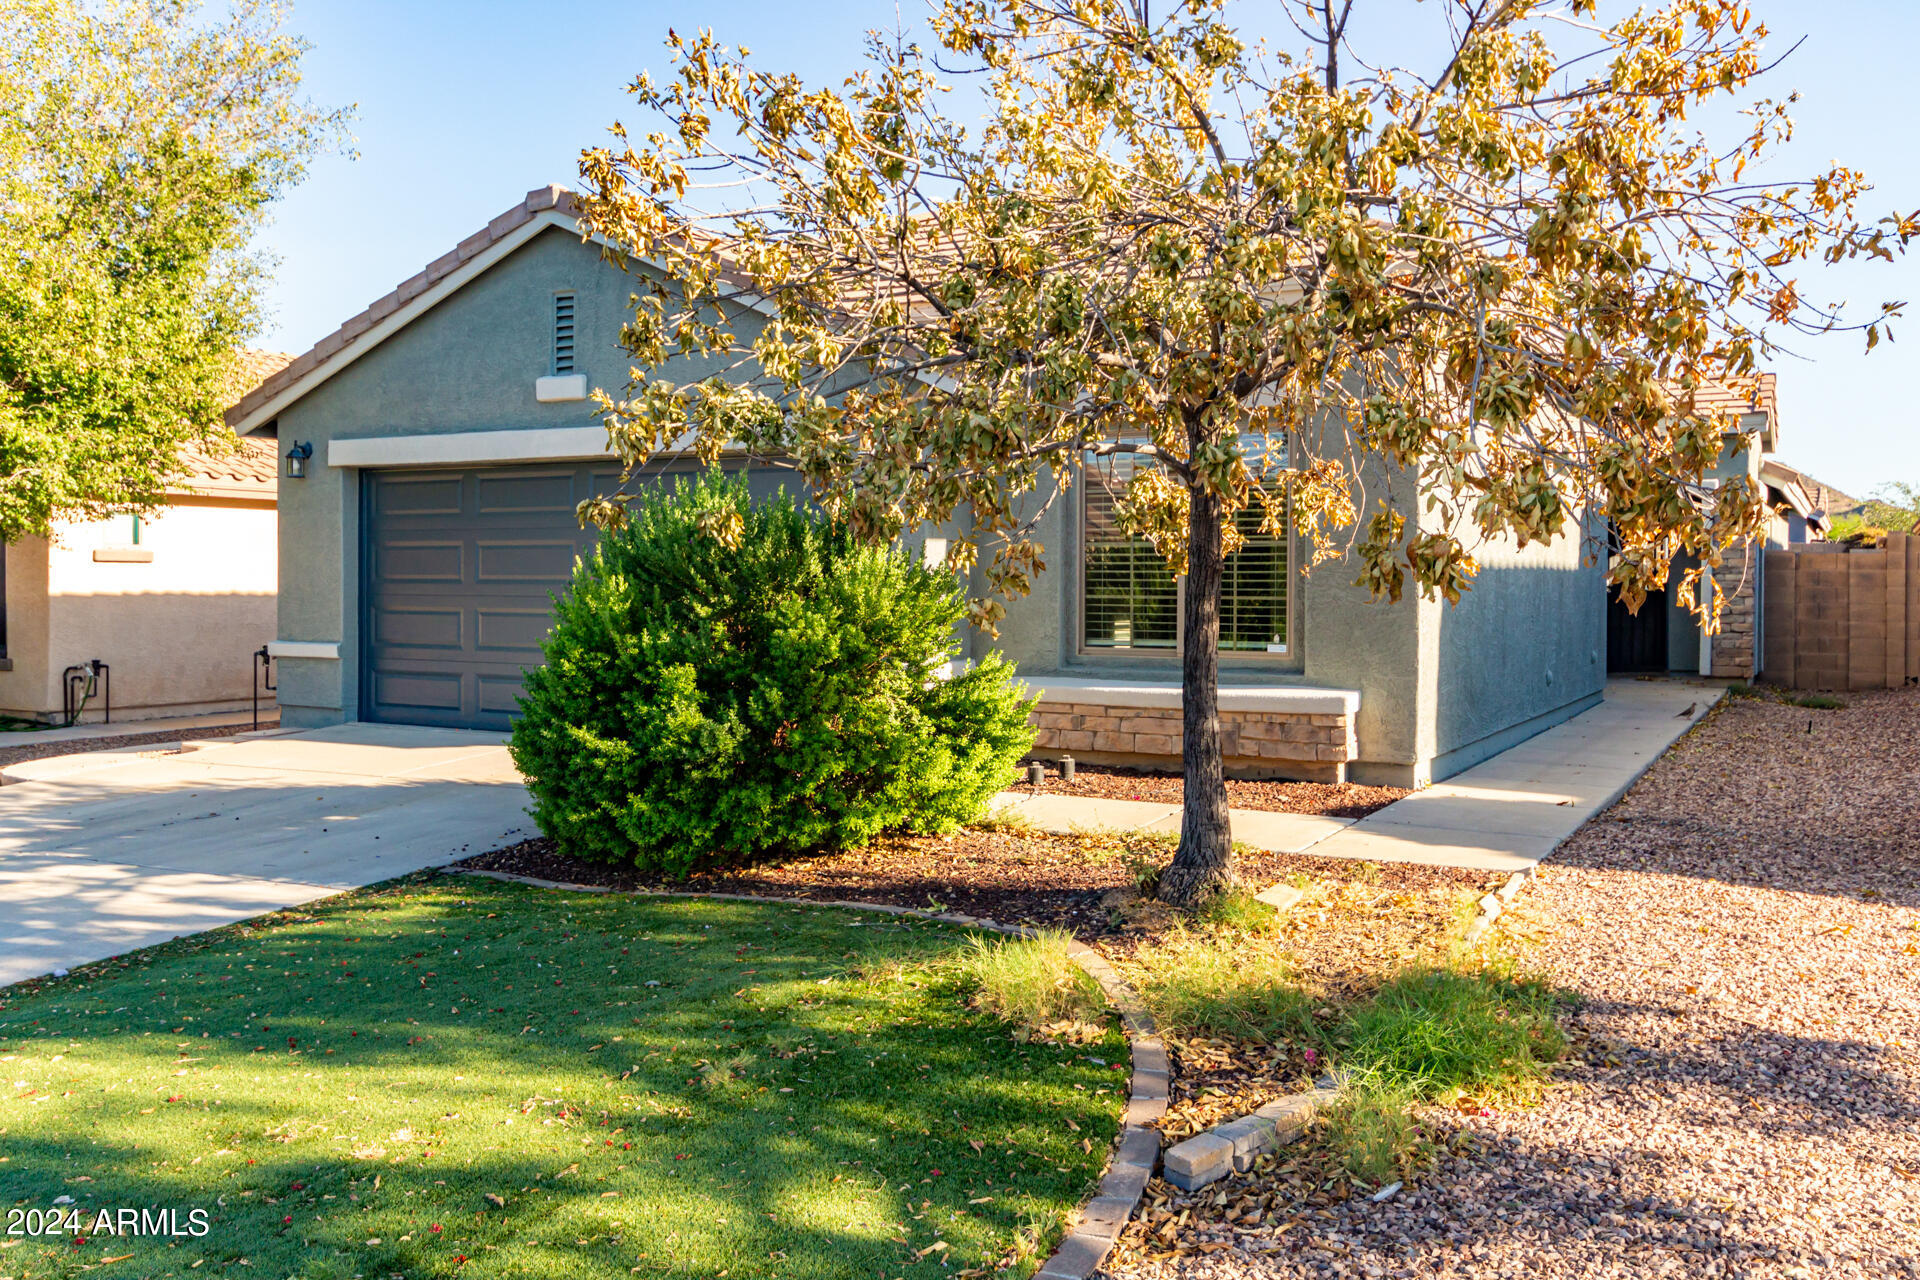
(1130, 602)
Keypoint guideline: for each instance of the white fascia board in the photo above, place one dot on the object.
(1304, 700)
(458, 448)
(325, 650)
(556, 388)
(467, 448)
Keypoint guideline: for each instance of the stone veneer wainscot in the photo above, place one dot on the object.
(1279, 732)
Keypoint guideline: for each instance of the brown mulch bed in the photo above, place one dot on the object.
(1359, 921)
(1061, 881)
(1334, 800)
(1220, 1078)
(76, 746)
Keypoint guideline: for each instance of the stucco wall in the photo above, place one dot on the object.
(23, 689)
(176, 631)
(1441, 686)
(1683, 627)
(1525, 648)
(468, 364)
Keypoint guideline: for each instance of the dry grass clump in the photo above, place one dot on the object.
(1213, 980)
(1033, 983)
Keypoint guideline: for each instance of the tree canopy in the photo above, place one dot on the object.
(1893, 508)
(141, 142)
(1400, 309)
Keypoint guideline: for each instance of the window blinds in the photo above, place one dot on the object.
(1130, 601)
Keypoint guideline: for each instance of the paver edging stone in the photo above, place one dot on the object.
(1104, 1216)
(1232, 1146)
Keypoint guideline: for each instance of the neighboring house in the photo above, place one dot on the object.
(1826, 501)
(171, 604)
(446, 439)
(1823, 501)
(1665, 636)
(1797, 517)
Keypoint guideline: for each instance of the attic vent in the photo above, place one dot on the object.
(562, 333)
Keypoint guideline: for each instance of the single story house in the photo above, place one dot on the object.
(1824, 501)
(444, 436)
(155, 615)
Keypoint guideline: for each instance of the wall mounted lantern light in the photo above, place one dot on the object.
(297, 460)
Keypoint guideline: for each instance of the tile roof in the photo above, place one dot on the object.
(1749, 393)
(1826, 499)
(238, 467)
(251, 469)
(537, 201)
(250, 368)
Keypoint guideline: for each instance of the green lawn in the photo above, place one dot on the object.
(647, 1086)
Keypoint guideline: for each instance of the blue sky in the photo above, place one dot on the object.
(462, 108)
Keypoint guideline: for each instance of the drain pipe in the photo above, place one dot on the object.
(78, 685)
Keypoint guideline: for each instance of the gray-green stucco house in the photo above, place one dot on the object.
(443, 437)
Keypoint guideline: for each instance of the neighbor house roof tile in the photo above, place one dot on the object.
(250, 469)
(1738, 394)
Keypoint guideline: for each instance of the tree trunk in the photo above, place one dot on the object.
(1203, 866)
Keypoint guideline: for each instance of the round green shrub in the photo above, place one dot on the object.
(729, 680)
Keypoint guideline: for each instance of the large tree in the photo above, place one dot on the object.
(1294, 280)
(140, 144)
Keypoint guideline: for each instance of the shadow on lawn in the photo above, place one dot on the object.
(429, 1217)
(765, 1090)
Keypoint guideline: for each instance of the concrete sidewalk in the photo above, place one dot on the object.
(103, 853)
(1505, 814)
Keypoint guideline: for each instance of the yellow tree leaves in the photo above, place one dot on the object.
(1503, 275)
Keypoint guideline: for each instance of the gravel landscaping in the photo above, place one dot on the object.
(1742, 936)
(76, 746)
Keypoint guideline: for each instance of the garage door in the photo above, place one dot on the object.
(458, 573)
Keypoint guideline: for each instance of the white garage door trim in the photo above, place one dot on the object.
(468, 448)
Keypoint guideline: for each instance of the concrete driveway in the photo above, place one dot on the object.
(105, 853)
